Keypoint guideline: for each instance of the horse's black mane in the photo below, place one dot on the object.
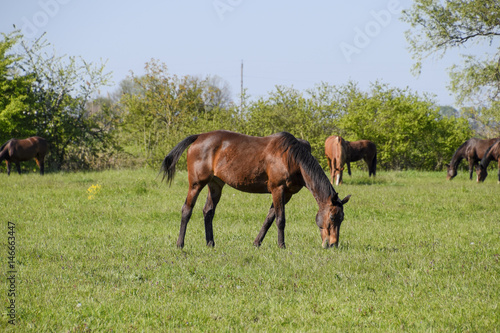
(5, 144)
(458, 155)
(298, 153)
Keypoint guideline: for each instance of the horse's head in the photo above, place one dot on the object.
(451, 172)
(337, 173)
(481, 173)
(329, 219)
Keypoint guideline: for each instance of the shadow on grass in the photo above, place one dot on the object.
(368, 181)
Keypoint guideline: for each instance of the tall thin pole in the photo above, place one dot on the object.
(241, 96)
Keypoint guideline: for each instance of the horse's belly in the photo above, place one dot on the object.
(246, 184)
(250, 188)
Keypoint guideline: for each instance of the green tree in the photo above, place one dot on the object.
(14, 92)
(287, 109)
(48, 95)
(161, 109)
(60, 91)
(438, 26)
(408, 130)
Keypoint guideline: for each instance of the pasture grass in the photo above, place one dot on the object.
(417, 253)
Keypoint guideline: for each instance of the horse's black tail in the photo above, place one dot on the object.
(4, 154)
(168, 165)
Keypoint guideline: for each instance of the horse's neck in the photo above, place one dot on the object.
(318, 185)
(487, 158)
(458, 156)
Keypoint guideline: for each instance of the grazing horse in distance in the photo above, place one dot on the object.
(362, 150)
(354, 151)
(336, 153)
(278, 164)
(473, 151)
(492, 153)
(16, 151)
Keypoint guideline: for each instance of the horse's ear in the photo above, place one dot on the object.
(346, 199)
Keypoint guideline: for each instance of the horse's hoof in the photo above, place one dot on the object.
(211, 244)
(282, 246)
(256, 244)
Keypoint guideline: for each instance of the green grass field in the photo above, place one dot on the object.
(417, 253)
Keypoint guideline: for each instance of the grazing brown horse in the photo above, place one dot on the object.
(278, 164)
(16, 151)
(473, 151)
(336, 148)
(491, 154)
(336, 153)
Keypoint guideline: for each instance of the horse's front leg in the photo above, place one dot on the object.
(330, 164)
(18, 167)
(271, 216)
(8, 167)
(472, 163)
(265, 227)
(279, 201)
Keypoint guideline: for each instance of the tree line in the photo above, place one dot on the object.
(57, 97)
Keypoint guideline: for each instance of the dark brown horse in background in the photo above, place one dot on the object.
(491, 154)
(17, 151)
(278, 164)
(473, 151)
(335, 149)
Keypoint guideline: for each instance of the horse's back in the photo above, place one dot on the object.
(329, 142)
(478, 147)
(26, 149)
(241, 161)
(361, 149)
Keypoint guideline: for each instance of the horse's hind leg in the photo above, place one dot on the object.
(40, 164)
(499, 171)
(370, 163)
(374, 166)
(214, 194)
(187, 209)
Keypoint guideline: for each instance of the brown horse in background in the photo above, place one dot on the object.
(336, 153)
(278, 164)
(491, 154)
(473, 151)
(17, 151)
(336, 146)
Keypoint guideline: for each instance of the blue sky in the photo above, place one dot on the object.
(292, 43)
